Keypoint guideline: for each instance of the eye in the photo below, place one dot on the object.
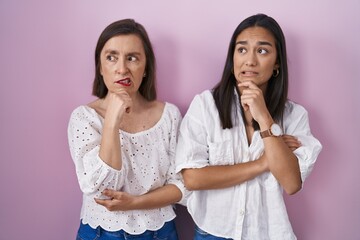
(131, 58)
(241, 50)
(263, 51)
(111, 58)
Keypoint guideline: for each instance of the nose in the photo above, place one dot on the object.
(121, 67)
(251, 59)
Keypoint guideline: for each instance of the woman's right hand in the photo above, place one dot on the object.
(119, 103)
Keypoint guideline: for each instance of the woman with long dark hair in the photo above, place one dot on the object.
(243, 143)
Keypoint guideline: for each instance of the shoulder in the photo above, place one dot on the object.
(295, 115)
(205, 95)
(203, 98)
(203, 101)
(172, 110)
(293, 108)
(83, 113)
(81, 110)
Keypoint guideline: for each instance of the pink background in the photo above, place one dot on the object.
(46, 66)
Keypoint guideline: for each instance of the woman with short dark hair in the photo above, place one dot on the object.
(123, 143)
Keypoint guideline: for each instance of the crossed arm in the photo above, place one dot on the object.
(216, 177)
(122, 201)
(195, 179)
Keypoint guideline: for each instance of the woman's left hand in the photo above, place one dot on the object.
(292, 142)
(119, 201)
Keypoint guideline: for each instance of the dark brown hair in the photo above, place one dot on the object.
(125, 27)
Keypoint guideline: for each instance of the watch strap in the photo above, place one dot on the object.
(266, 133)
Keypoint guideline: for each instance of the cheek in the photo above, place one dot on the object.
(236, 64)
(102, 67)
(105, 69)
(237, 69)
(269, 67)
(267, 75)
(236, 60)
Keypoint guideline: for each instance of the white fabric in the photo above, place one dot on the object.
(148, 163)
(255, 209)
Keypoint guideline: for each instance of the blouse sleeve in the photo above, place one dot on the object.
(192, 150)
(297, 124)
(172, 176)
(84, 136)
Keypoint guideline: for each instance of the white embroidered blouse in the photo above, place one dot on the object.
(148, 163)
(255, 209)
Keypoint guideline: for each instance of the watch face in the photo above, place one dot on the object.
(276, 130)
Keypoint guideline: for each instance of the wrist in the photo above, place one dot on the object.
(266, 123)
(273, 131)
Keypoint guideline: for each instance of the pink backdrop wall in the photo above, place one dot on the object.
(46, 66)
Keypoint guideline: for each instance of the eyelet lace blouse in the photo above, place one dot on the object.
(148, 163)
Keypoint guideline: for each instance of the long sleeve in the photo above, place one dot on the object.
(84, 136)
(172, 176)
(297, 124)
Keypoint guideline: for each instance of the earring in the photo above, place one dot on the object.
(144, 74)
(276, 73)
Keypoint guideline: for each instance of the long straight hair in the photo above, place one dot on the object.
(277, 88)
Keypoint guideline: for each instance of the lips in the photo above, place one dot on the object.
(249, 73)
(124, 82)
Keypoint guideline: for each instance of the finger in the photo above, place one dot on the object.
(248, 84)
(128, 104)
(244, 105)
(109, 193)
(293, 144)
(248, 100)
(108, 204)
(103, 202)
(247, 97)
(290, 139)
(286, 137)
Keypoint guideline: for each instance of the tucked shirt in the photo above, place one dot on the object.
(252, 210)
(148, 162)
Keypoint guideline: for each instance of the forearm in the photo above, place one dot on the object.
(110, 151)
(283, 164)
(217, 177)
(160, 197)
(122, 201)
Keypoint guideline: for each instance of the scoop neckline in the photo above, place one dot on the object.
(137, 133)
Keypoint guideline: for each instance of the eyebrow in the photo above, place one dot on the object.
(110, 51)
(258, 43)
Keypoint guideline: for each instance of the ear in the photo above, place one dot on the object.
(276, 66)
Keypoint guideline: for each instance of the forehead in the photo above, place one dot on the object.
(256, 34)
(124, 43)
